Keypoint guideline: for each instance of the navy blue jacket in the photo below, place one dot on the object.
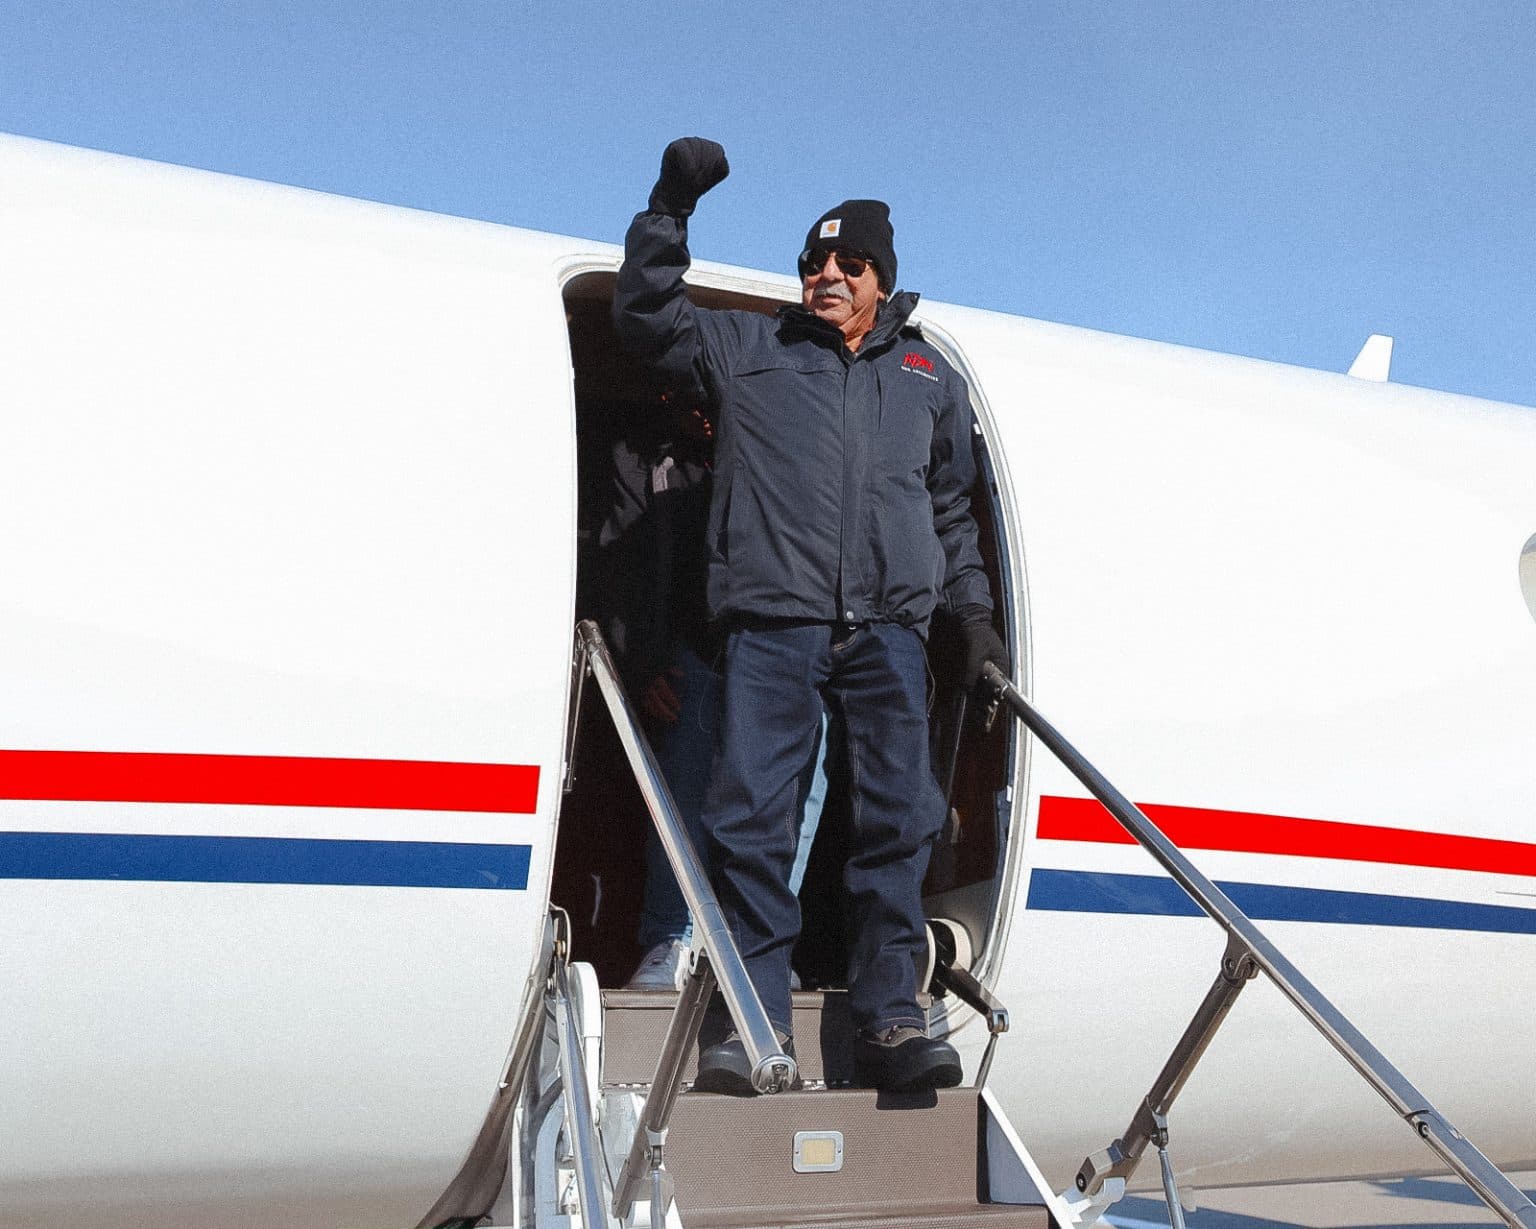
(842, 479)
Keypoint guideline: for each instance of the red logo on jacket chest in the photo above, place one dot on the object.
(917, 362)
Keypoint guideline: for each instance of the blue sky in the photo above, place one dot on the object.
(1270, 179)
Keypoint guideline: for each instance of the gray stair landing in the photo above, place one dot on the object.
(908, 1161)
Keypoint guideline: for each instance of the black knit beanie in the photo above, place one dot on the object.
(859, 226)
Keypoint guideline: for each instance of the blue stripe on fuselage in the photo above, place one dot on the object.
(261, 859)
(1100, 892)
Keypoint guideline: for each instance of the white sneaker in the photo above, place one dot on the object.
(663, 968)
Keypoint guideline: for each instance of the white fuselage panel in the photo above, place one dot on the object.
(287, 478)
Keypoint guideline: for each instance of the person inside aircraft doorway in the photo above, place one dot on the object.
(655, 616)
(839, 521)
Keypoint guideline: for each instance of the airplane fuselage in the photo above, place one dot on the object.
(291, 564)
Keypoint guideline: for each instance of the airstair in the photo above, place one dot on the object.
(832, 1155)
(576, 1140)
(594, 1123)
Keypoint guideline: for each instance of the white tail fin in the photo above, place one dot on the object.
(1374, 359)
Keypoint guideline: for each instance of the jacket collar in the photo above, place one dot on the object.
(889, 322)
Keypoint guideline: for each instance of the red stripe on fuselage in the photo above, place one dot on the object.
(267, 780)
(1084, 819)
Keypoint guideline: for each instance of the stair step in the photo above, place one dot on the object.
(635, 1024)
(992, 1215)
(906, 1161)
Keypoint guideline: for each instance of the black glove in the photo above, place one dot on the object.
(982, 643)
(690, 167)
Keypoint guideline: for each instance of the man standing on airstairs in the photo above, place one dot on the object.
(840, 519)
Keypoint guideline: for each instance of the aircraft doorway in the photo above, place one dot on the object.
(599, 862)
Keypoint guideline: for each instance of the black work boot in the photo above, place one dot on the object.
(725, 1068)
(904, 1059)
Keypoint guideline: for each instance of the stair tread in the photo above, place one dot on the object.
(635, 1025)
(1019, 1216)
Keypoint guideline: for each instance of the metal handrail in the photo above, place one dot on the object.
(581, 1130)
(772, 1069)
(1247, 949)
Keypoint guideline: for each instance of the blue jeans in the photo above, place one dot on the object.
(684, 751)
(874, 678)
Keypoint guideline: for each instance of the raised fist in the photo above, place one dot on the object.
(690, 167)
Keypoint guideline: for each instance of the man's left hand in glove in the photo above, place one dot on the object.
(982, 643)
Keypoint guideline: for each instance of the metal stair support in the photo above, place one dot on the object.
(1102, 1177)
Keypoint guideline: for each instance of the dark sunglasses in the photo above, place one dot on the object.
(814, 260)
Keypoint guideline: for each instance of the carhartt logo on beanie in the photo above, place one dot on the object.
(859, 226)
